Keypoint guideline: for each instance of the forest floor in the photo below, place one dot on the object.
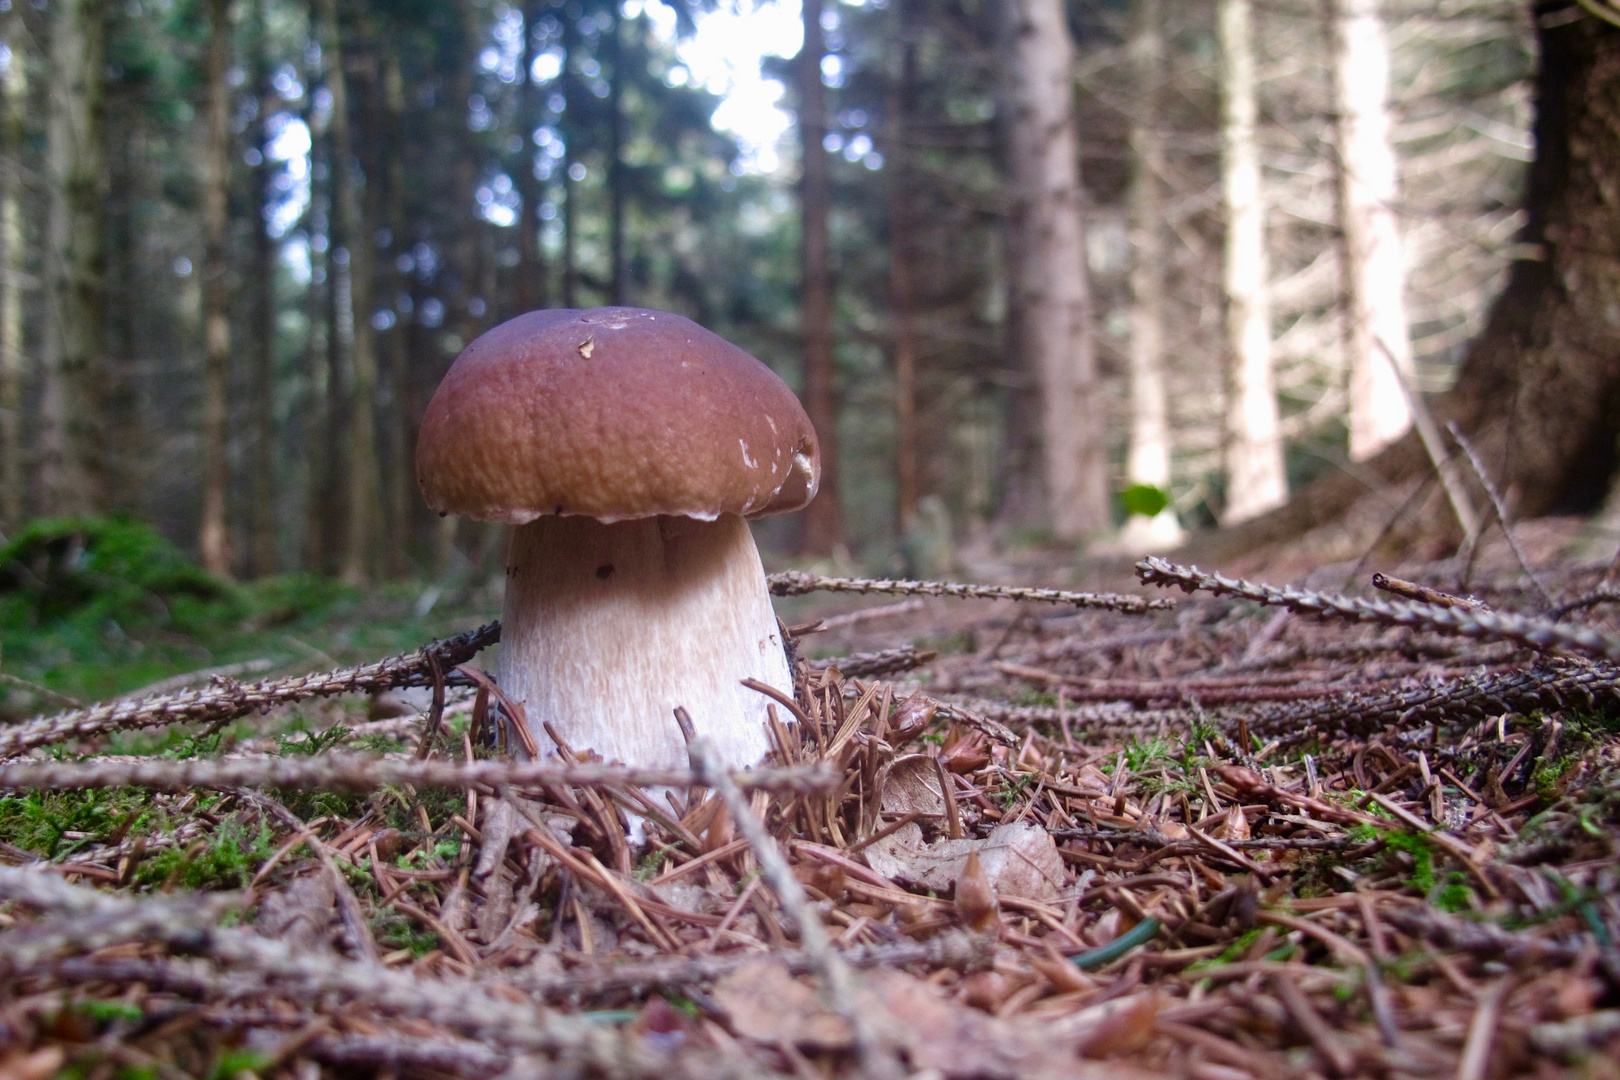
(1245, 833)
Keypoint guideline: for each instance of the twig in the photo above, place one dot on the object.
(1538, 634)
(362, 772)
(886, 662)
(1411, 590)
(1476, 1055)
(834, 973)
(575, 1043)
(228, 700)
(1501, 513)
(1444, 467)
(43, 691)
(797, 583)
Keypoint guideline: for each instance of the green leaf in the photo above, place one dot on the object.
(1144, 499)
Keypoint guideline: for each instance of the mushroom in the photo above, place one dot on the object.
(627, 447)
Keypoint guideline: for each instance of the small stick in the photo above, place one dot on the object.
(1476, 1055)
(1501, 513)
(1411, 590)
(435, 714)
(829, 965)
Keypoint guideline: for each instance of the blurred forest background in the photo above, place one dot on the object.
(1041, 271)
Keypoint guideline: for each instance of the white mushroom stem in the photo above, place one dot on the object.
(608, 627)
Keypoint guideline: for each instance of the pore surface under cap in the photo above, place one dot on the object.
(613, 413)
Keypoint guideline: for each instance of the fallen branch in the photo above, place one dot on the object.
(1538, 634)
(226, 700)
(364, 772)
(797, 583)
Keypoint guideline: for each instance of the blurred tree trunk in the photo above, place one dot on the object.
(321, 444)
(353, 228)
(13, 478)
(71, 436)
(1255, 477)
(572, 129)
(400, 474)
(1048, 287)
(531, 274)
(1374, 259)
(213, 539)
(1148, 459)
(263, 519)
(821, 523)
(1539, 391)
(902, 293)
(617, 178)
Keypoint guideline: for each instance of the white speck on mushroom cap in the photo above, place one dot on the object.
(750, 462)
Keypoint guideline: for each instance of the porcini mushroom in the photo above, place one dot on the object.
(627, 447)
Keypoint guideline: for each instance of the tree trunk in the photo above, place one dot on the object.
(1049, 292)
(320, 415)
(264, 519)
(531, 272)
(617, 178)
(571, 131)
(1539, 390)
(902, 297)
(1148, 459)
(399, 474)
(71, 436)
(1374, 260)
(1255, 478)
(13, 478)
(213, 539)
(822, 523)
(353, 228)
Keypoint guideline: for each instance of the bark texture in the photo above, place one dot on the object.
(1379, 344)
(1539, 392)
(1255, 478)
(70, 466)
(822, 521)
(1048, 288)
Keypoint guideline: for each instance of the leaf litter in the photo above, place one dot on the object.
(1358, 837)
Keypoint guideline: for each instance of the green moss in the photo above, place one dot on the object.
(39, 821)
(226, 860)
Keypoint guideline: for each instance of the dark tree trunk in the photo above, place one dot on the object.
(822, 521)
(263, 519)
(572, 130)
(1539, 392)
(902, 292)
(531, 275)
(616, 177)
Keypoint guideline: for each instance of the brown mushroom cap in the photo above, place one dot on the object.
(613, 413)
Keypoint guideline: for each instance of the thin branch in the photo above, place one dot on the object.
(797, 583)
(1538, 634)
(363, 772)
(835, 974)
(1500, 509)
(226, 700)
(575, 1043)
